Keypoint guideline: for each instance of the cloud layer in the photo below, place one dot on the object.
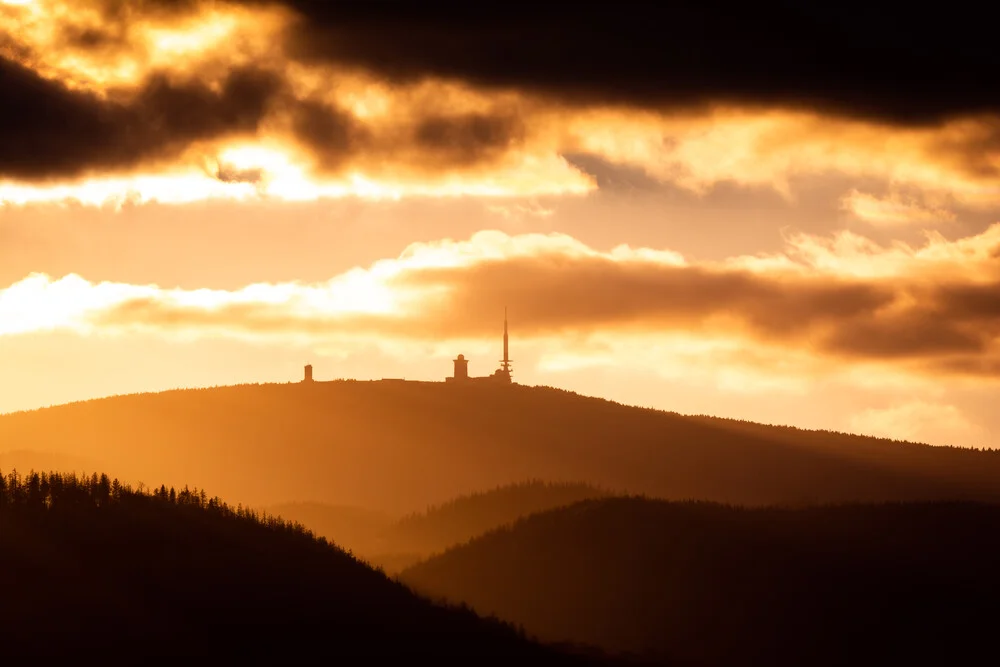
(928, 311)
(897, 67)
(48, 130)
(302, 100)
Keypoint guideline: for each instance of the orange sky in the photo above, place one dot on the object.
(221, 209)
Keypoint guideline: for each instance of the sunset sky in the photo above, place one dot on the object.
(788, 213)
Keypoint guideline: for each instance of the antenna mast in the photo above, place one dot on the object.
(505, 362)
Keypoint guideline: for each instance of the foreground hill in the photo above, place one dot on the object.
(398, 447)
(708, 584)
(87, 565)
(394, 544)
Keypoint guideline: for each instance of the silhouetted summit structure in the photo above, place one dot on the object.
(501, 375)
(505, 363)
(460, 374)
(461, 368)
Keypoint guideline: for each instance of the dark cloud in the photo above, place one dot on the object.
(905, 68)
(48, 130)
(332, 135)
(557, 293)
(90, 38)
(909, 334)
(430, 141)
(469, 138)
(891, 61)
(900, 64)
(229, 174)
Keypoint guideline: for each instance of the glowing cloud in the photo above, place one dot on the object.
(893, 210)
(796, 319)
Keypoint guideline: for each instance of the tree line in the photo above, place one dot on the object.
(58, 491)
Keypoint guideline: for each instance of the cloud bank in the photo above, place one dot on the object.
(302, 100)
(929, 311)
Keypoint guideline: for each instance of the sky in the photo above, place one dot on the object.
(787, 213)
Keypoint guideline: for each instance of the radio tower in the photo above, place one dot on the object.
(505, 362)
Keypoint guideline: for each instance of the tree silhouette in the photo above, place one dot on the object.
(715, 585)
(93, 566)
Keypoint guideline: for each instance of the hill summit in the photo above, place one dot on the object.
(398, 447)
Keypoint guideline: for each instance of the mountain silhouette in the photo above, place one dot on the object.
(397, 447)
(395, 544)
(707, 584)
(90, 568)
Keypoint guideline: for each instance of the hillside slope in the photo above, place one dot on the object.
(399, 447)
(705, 584)
(88, 566)
(394, 544)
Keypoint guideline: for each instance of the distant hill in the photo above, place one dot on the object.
(93, 570)
(393, 545)
(397, 447)
(352, 528)
(27, 459)
(706, 584)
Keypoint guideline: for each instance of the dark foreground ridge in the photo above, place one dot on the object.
(87, 565)
(711, 585)
(398, 447)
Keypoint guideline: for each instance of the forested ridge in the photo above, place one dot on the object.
(399, 447)
(90, 564)
(707, 584)
(396, 543)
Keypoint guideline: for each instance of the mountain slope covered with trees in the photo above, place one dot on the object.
(394, 544)
(89, 567)
(397, 447)
(707, 584)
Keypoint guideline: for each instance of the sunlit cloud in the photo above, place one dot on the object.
(770, 148)
(115, 192)
(721, 361)
(637, 307)
(105, 47)
(520, 211)
(847, 254)
(893, 210)
(252, 173)
(695, 153)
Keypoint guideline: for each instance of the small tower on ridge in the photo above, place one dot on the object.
(505, 363)
(308, 373)
(461, 368)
